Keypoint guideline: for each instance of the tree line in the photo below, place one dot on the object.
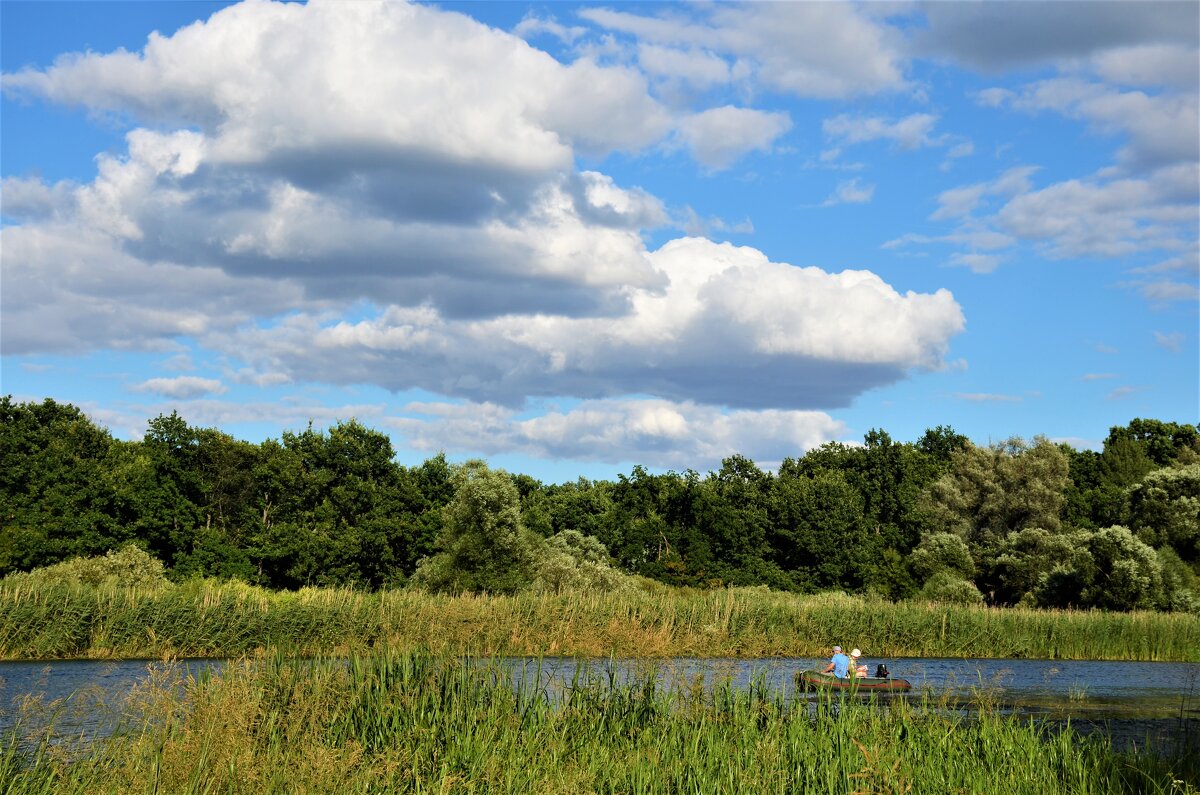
(1019, 522)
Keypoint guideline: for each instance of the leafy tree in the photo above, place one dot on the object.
(1163, 442)
(730, 512)
(331, 509)
(891, 577)
(56, 496)
(1181, 583)
(948, 587)
(822, 537)
(1111, 570)
(889, 477)
(581, 505)
(128, 566)
(686, 555)
(1016, 570)
(1128, 575)
(634, 527)
(941, 443)
(1164, 509)
(992, 491)
(423, 492)
(484, 544)
(1090, 500)
(167, 491)
(1123, 462)
(942, 552)
(571, 561)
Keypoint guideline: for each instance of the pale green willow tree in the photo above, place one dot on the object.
(1164, 510)
(1117, 572)
(992, 491)
(484, 545)
(948, 587)
(572, 561)
(942, 552)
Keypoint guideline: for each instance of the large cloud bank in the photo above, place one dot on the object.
(387, 194)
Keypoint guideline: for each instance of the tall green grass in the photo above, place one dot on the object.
(203, 618)
(415, 723)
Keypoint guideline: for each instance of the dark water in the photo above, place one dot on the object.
(1136, 704)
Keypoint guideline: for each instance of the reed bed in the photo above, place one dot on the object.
(415, 723)
(206, 618)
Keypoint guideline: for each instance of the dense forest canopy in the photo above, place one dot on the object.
(1021, 522)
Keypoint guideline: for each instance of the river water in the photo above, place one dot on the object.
(1136, 704)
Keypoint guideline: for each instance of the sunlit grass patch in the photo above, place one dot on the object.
(207, 618)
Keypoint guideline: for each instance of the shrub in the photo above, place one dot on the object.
(571, 561)
(128, 566)
(947, 587)
(942, 552)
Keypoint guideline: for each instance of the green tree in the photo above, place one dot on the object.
(730, 511)
(634, 527)
(1111, 570)
(485, 547)
(571, 561)
(1124, 462)
(56, 496)
(1128, 575)
(1163, 442)
(822, 537)
(166, 490)
(1016, 570)
(946, 586)
(1164, 510)
(941, 443)
(1090, 500)
(990, 492)
(942, 552)
(331, 509)
(1181, 583)
(889, 477)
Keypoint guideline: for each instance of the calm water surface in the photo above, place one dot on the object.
(1134, 703)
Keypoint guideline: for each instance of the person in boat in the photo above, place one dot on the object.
(859, 667)
(839, 664)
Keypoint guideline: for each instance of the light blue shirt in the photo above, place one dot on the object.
(841, 665)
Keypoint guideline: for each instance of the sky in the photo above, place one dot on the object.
(574, 238)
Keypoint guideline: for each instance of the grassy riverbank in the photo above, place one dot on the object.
(205, 618)
(416, 723)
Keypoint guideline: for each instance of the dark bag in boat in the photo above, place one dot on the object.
(881, 672)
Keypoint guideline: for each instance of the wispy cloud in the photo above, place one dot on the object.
(850, 192)
(985, 397)
(1123, 392)
(183, 387)
(1172, 342)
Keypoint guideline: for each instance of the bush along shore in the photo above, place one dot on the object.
(231, 619)
(420, 723)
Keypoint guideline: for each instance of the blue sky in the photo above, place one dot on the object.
(571, 238)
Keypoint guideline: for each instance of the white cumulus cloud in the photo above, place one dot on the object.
(658, 433)
(719, 136)
(182, 386)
